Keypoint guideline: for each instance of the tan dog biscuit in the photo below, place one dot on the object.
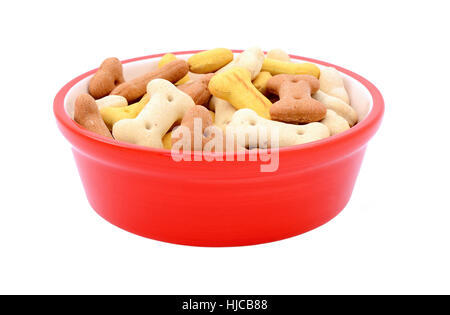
(248, 130)
(224, 112)
(112, 101)
(107, 78)
(296, 104)
(166, 106)
(335, 123)
(135, 89)
(337, 105)
(86, 113)
(332, 83)
(198, 89)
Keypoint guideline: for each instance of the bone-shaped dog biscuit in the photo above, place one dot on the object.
(224, 112)
(108, 76)
(210, 60)
(198, 89)
(337, 105)
(111, 115)
(134, 89)
(198, 139)
(335, 123)
(332, 84)
(296, 104)
(235, 86)
(246, 127)
(250, 59)
(86, 113)
(167, 105)
(282, 67)
(112, 101)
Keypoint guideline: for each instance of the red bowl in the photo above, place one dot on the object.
(220, 203)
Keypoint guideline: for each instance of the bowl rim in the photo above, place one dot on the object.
(370, 122)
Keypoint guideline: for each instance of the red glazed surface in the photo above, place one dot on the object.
(219, 203)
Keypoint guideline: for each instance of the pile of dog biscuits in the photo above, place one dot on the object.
(236, 97)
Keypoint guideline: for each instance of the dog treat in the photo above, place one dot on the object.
(260, 81)
(332, 84)
(198, 89)
(167, 105)
(135, 89)
(296, 104)
(235, 86)
(246, 127)
(337, 105)
(278, 54)
(281, 67)
(224, 112)
(210, 60)
(107, 77)
(111, 115)
(167, 141)
(335, 123)
(112, 101)
(168, 58)
(198, 138)
(86, 113)
(251, 59)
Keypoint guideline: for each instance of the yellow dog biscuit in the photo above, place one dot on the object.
(111, 115)
(250, 59)
(235, 86)
(210, 60)
(282, 67)
(261, 80)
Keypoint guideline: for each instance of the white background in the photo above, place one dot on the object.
(393, 237)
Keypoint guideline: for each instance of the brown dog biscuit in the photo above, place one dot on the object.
(198, 89)
(188, 121)
(136, 88)
(87, 115)
(107, 77)
(296, 104)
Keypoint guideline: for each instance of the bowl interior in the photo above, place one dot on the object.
(360, 98)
